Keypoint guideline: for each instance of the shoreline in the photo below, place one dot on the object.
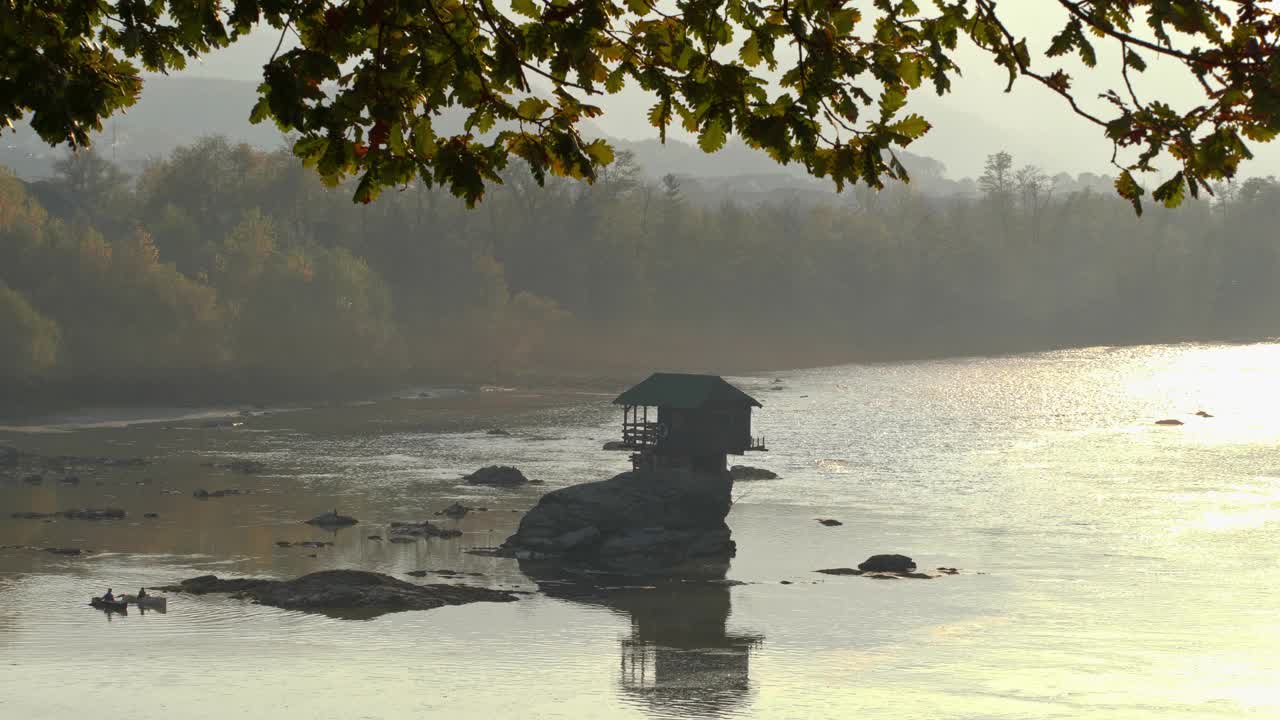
(236, 391)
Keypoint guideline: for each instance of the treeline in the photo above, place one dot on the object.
(221, 261)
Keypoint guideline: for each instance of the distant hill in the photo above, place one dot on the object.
(177, 111)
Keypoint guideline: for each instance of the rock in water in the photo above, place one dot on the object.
(1203, 414)
(1168, 422)
(497, 476)
(332, 519)
(888, 563)
(353, 592)
(615, 445)
(456, 510)
(829, 522)
(499, 432)
(638, 523)
(746, 472)
(422, 529)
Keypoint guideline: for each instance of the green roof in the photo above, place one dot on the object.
(688, 392)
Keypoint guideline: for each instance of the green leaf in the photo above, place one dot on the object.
(526, 7)
(909, 71)
(1172, 192)
(531, 108)
(600, 152)
(750, 51)
(1130, 190)
(911, 127)
(713, 136)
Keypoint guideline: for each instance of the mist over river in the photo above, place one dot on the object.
(1111, 567)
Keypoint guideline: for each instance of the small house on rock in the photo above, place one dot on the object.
(697, 421)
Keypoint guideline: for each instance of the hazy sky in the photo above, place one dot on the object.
(976, 119)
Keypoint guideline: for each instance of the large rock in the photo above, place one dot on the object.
(332, 519)
(887, 563)
(497, 476)
(638, 523)
(746, 472)
(343, 592)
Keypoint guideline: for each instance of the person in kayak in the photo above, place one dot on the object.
(109, 597)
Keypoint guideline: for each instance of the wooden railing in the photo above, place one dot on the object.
(640, 434)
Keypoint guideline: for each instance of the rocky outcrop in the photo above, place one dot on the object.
(746, 472)
(332, 519)
(343, 592)
(497, 476)
(887, 563)
(638, 523)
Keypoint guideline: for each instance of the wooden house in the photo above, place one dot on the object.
(674, 420)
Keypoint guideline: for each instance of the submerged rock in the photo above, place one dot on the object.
(338, 591)
(74, 514)
(202, 494)
(839, 571)
(94, 514)
(422, 529)
(332, 519)
(497, 476)
(247, 467)
(746, 472)
(887, 563)
(456, 510)
(637, 523)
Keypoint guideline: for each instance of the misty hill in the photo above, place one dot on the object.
(177, 111)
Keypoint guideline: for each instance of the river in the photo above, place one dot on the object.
(1110, 568)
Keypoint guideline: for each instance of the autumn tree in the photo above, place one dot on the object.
(824, 83)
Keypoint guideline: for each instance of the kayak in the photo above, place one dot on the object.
(112, 605)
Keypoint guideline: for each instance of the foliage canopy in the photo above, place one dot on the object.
(820, 82)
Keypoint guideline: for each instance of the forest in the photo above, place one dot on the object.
(227, 271)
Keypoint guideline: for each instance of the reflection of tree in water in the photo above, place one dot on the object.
(680, 657)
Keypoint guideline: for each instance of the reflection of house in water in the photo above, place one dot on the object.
(680, 656)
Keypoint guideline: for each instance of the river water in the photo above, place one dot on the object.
(1111, 568)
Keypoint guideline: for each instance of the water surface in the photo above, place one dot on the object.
(1112, 568)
